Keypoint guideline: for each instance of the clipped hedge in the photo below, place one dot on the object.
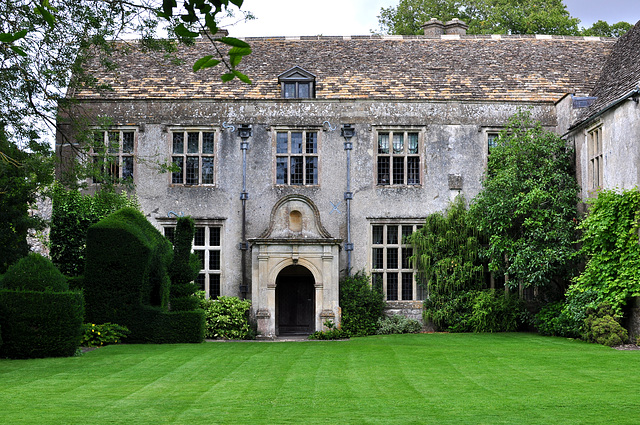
(34, 273)
(126, 281)
(40, 324)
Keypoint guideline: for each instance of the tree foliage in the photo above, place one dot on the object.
(482, 16)
(528, 206)
(603, 29)
(446, 251)
(22, 175)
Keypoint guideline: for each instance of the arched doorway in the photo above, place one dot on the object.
(295, 301)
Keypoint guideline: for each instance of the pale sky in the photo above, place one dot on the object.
(359, 17)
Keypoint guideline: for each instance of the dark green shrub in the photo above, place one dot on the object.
(362, 305)
(226, 317)
(553, 320)
(76, 283)
(602, 328)
(184, 268)
(40, 324)
(494, 312)
(104, 334)
(475, 311)
(398, 324)
(35, 273)
(126, 281)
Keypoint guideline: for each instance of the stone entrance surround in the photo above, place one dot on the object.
(295, 237)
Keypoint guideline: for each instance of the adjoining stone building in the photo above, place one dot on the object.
(339, 148)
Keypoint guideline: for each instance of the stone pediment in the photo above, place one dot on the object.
(295, 217)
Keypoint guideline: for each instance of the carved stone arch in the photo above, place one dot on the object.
(275, 271)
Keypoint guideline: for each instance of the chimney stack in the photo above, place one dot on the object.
(433, 28)
(456, 26)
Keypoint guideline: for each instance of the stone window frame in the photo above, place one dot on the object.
(383, 267)
(293, 83)
(125, 157)
(211, 274)
(279, 155)
(595, 156)
(182, 178)
(394, 157)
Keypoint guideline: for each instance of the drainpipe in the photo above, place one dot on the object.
(348, 132)
(244, 131)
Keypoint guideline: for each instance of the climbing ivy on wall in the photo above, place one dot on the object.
(610, 244)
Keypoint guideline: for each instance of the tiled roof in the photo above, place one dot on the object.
(620, 74)
(495, 68)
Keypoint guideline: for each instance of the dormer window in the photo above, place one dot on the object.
(297, 83)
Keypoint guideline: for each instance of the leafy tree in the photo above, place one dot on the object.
(603, 29)
(43, 47)
(22, 175)
(446, 251)
(482, 16)
(528, 205)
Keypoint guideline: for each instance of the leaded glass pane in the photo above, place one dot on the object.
(378, 258)
(392, 235)
(311, 171)
(127, 141)
(383, 143)
(296, 170)
(282, 143)
(392, 258)
(412, 143)
(413, 170)
(214, 260)
(378, 235)
(169, 233)
(312, 142)
(191, 174)
(304, 90)
(406, 231)
(207, 170)
(383, 170)
(214, 286)
(214, 236)
(398, 170)
(178, 143)
(207, 142)
(127, 167)
(289, 90)
(392, 286)
(407, 286)
(176, 176)
(114, 142)
(192, 142)
(200, 280)
(406, 253)
(199, 236)
(296, 142)
(398, 143)
(281, 170)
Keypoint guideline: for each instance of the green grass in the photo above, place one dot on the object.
(427, 378)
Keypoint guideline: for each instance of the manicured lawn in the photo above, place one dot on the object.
(428, 378)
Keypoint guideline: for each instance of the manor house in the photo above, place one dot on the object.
(339, 148)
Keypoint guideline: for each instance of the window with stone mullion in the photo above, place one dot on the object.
(193, 157)
(296, 158)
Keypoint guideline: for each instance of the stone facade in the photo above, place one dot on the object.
(287, 209)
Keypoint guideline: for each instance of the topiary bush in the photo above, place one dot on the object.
(398, 324)
(184, 268)
(226, 317)
(126, 281)
(34, 273)
(362, 305)
(40, 324)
